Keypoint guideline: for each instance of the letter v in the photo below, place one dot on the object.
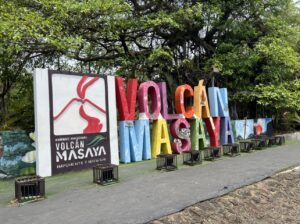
(126, 104)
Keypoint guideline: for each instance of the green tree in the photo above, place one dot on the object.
(255, 44)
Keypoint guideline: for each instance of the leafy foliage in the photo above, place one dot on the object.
(254, 44)
(284, 96)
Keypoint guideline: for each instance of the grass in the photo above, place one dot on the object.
(83, 179)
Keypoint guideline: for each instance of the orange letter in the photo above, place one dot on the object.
(182, 92)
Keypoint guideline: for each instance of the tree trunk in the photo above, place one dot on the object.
(234, 111)
(2, 106)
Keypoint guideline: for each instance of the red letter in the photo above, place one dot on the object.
(213, 126)
(126, 105)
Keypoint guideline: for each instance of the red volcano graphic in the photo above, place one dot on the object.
(94, 124)
(258, 128)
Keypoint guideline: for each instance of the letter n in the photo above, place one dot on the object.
(218, 102)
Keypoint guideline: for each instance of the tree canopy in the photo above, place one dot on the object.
(254, 45)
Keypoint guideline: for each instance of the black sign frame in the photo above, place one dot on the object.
(96, 146)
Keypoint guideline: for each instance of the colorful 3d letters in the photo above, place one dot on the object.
(126, 129)
(224, 95)
(142, 129)
(135, 135)
(182, 92)
(182, 139)
(213, 127)
(198, 134)
(126, 104)
(218, 102)
(160, 138)
(201, 106)
(226, 131)
(218, 107)
(151, 88)
(134, 141)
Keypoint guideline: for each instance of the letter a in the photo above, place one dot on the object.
(201, 106)
(226, 131)
(160, 138)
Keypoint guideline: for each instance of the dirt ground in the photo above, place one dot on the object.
(274, 200)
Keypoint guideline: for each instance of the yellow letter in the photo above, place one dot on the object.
(160, 138)
(201, 106)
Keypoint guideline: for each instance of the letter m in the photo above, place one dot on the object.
(61, 156)
(134, 141)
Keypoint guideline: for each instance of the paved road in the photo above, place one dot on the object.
(144, 198)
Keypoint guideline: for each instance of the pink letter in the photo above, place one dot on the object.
(151, 88)
(181, 133)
